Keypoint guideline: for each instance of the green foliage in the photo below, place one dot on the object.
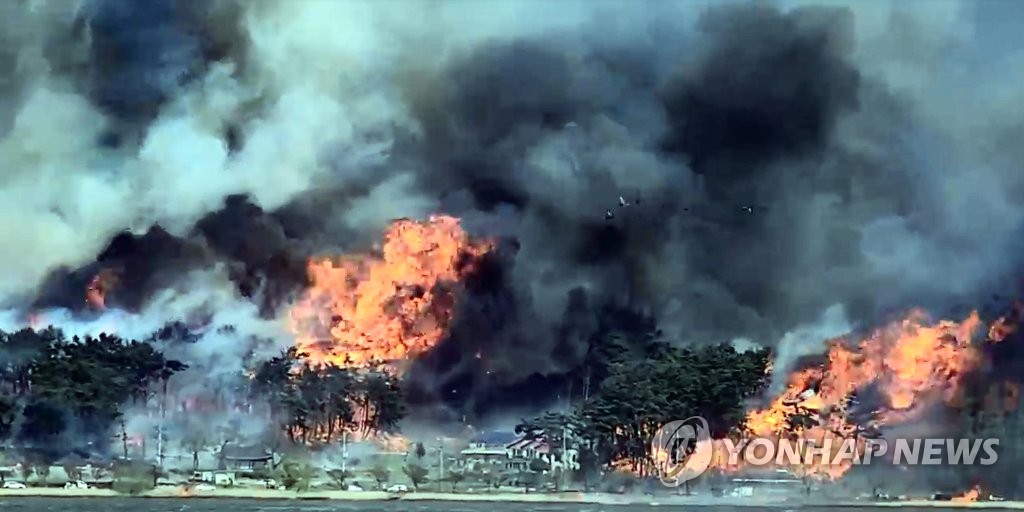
(134, 479)
(489, 474)
(455, 478)
(631, 381)
(618, 482)
(296, 474)
(417, 474)
(319, 402)
(43, 472)
(340, 477)
(10, 411)
(73, 472)
(529, 479)
(421, 451)
(51, 381)
(381, 475)
(262, 474)
(639, 396)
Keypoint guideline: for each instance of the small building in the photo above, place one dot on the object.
(218, 478)
(246, 459)
(472, 457)
(487, 450)
(525, 450)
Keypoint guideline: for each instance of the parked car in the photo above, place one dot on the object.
(204, 487)
(353, 487)
(398, 488)
(78, 484)
(14, 485)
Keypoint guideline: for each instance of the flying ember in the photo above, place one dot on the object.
(387, 307)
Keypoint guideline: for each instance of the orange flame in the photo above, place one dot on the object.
(914, 363)
(98, 288)
(368, 309)
(969, 495)
(1006, 325)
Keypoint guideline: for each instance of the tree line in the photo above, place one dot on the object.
(317, 402)
(632, 381)
(60, 394)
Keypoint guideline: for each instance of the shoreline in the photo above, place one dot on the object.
(550, 498)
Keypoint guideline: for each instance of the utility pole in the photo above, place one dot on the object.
(124, 440)
(565, 466)
(440, 466)
(160, 436)
(344, 450)
(160, 444)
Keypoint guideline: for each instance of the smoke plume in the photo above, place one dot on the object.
(733, 170)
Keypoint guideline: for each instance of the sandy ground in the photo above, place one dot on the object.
(589, 498)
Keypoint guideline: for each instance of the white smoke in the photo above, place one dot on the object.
(804, 341)
(317, 91)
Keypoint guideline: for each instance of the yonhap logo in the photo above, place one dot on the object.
(683, 450)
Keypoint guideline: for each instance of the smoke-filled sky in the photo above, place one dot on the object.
(789, 167)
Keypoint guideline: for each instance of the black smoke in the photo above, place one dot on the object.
(142, 53)
(265, 263)
(726, 178)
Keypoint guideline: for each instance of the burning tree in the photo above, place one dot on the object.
(366, 309)
(646, 383)
(317, 402)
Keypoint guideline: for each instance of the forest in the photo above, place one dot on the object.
(62, 395)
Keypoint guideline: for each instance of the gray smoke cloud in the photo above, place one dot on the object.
(760, 163)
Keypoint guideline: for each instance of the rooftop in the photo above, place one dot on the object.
(495, 438)
(246, 452)
(484, 451)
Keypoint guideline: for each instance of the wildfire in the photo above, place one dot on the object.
(1006, 325)
(98, 288)
(386, 307)
(969, 495)
(394, 443)
(912, 363)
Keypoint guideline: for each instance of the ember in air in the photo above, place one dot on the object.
(912, 452)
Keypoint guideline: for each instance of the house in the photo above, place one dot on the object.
(523, 451)
(488, 449)
(246, 459)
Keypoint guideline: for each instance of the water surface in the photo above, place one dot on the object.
(240, 505)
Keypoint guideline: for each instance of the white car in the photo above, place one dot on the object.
(14, 485)
(78, 484)
(204, 487)
(354, 488)
(398, 488)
